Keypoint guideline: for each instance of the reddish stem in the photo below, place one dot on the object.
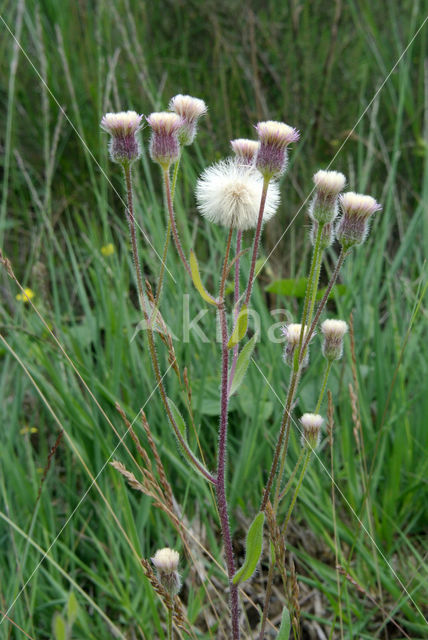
(173, 225)
(256, 241)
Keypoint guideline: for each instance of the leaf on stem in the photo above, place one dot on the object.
(196, 277)
(179, 421)
(284, 630)
(240, 328)
(296, 287)
(253, 549)
(242, 364)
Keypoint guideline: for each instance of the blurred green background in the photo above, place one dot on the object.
(328, 69)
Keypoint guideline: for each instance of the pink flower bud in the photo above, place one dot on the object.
(123, 127)
(190, 110)
(245, 150)
(328, 185)
(353, 225)
(164, 145)
(311, 423)
(271, 159)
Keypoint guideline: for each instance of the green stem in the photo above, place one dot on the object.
(315, 286)
(308, 294)
(292, 476)
(324, 385)
(296, 491)
(167, 236)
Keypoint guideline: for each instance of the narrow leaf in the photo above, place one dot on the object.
(196, 277)
(242, 363)
(284, 629)
(253, 549)
(59, 628)
(178, 418)
(72, 609)
(240, 328)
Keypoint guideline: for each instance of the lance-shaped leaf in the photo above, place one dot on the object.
(253, 549)
(284, 629)
(242, 363)
(240, 328)
(179, 421)
(196, 277)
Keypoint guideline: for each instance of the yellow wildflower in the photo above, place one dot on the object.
(107, 250)
(27, 295)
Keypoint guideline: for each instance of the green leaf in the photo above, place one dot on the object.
(295, 287)
(72, 609)
(59, 627)
(178, 418)
(242, 363)
(253, 549)
(240, 328)
(196, 277)
(284, 629)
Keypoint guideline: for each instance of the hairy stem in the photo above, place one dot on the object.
(297, 489)
(172, 220)
(169, 624)
(150, 335)
(236, 309)
(256, 241)
(324, 385)
(222, 449)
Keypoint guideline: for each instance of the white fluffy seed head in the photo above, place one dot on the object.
(311, 423)
(229, 194)
(166, 560)
(329, 182)
(123, 123)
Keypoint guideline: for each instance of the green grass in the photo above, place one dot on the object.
(58, 209)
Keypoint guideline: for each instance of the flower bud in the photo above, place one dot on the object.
(190, 110)
(164, 145)
(271, 159)
(166, 564)
(333, 332)
(327, 234)
(353, 225)
(245, 150)
(123, 127)
(311, 423)
(328, 185)
(292, 335)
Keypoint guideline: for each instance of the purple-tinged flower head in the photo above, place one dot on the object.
(190, 110)
(327, 234)
(123, 127)
(328, 185)
(311, 423)
(164, 144)
(333, 332)
(292, 336)
(271, 159)
(229, 194)
(166, 564)
(245, 150)
(353, 226)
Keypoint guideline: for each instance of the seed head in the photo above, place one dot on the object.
(271, 159)
(164, 145)
(166, 564)
(190, 110)
(311, 423)
(333, 332)
(353, 225)
(245, 150)
(123, 127)
(292, 335)
(229, 194)
(328, 185)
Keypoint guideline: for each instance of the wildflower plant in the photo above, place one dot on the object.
(240, 194)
